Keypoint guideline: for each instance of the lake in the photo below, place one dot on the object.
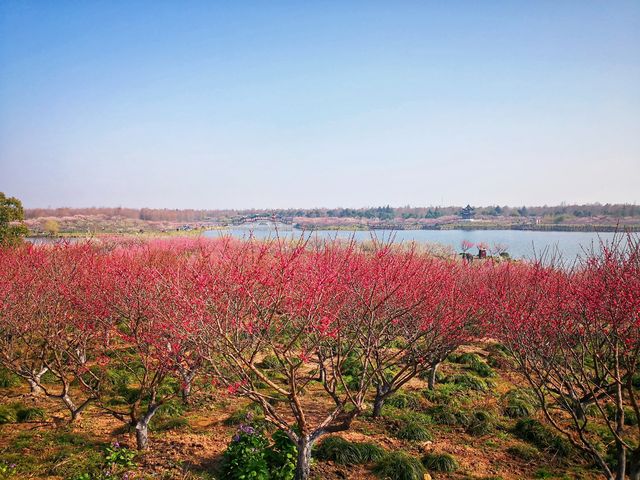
(519, 243)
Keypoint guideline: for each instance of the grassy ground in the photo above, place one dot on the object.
(474, 417)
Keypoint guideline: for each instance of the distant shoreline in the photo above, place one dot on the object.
(477, 227)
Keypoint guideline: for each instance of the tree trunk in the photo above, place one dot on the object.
(34, 383)
(621, 456)
(142, 435)
(142, 428)
(432, 376)
(303, 465)
(381, 394)
(634, 464)
(187, 381)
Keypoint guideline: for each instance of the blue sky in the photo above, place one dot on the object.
(327, 103)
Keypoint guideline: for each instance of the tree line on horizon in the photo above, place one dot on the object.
(380, 213)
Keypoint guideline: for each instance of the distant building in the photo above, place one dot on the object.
(467, 213)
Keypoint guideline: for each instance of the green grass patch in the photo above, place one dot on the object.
(440, 462)
(344, 452)
(399, 466)
(405, 400)
(524, 452)
(8, 379)
(481, 422)
(469, 382)
(30, 414)
(532, 431)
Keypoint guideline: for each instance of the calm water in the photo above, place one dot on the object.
(520, 244)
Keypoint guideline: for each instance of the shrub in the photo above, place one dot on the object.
(405, 400)
(449, 415)
(411, 430)
(518, 403)
(345, 452)
(244, 415)
(8, 379)
(440, 462)
(7, 414)
(171, 424)
(245, 456)
(249, 455)
(525, 452)
(630, 417)
(445, 393)
(269, 362)
(482, 370)
(481, 423)
(117, 456)
(470, 382)
(29, 414)
(399, 466)
(281, 457)
(533, 431)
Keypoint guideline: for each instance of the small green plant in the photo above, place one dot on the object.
(468, 381)
(7, 414)
(171, 424)
(245, 456)
(240, 416)
(399, 466)
(8, 379)
(445, 393)
(474, 363)
(481, 422)
(518, 403)
(630, 417)
(250, 455)
(531, 430)
(525, 452)
(405, 400)
(408, 429)
(7, 470)
(450, 415)
(269, 362)
(440, 462)
(345, 452)
(29, 414)
(118, 457)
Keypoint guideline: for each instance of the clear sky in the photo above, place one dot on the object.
(272, 104)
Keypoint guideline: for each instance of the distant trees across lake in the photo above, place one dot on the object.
(380, 213)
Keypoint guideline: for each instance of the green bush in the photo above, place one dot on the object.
(474, 363)
(518, 403)
(171, 424)
(440, 462)
(282, 457)
(399, 466)
(29, 414)
(468, 381)
(117, 457)
(630, 417)
(450, 415)
(8, 379)
(7, 414)
(411, 430)
(405, 400)
(251, 456)
(445, 393)
(345, 452)
(525, 452)
(532, 431)
(244, 415)
(481, 422)
(269, 362)
(245, 456)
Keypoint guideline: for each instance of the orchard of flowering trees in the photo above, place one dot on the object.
(317, 334)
